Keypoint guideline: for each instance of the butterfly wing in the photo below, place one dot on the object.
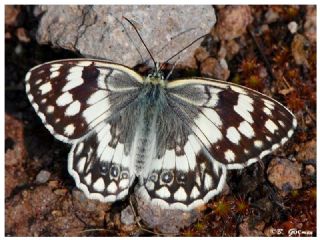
(83, 102)
(74, 96)
(237, 126)
(101, 164)
(183, 180)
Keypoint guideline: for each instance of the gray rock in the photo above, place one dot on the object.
(166, 221)
(101, 31)
(43, 176)
(127, 216)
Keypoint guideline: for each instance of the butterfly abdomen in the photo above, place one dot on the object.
(144, 144)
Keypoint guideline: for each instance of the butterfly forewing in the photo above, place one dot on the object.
(74, 96)
(236, 125)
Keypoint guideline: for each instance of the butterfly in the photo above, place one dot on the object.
(177, 137)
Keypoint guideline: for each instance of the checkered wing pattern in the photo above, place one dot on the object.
(78, 100)
(236, 125)
(74, 96)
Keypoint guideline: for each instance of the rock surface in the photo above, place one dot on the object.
(15, 155)
(284, 174)
(310, 25)
(166, 221)
(127, 216)
(233, 21)
(101, 31)
(307, 151)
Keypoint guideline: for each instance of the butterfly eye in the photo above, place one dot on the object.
(114, 171)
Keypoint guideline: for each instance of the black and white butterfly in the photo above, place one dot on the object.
(179, 137)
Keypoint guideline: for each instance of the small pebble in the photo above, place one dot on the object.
(18, 49)
(223, 64)
(56, 213)
(167, 221)
(43, 176)
(201, 54)
(22, 35)
(310, 170)
(293, 27)
(233, 22)
(299, 50)
(212, 67)
(11, 15)
(53, 184)
(264, 28)
(60, 192)
(284, 174)
(127, 216)
(232, 48)
(269, 231)
(225, 190)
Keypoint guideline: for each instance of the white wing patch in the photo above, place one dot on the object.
(64, 99)
(45, 88)
(233, 135)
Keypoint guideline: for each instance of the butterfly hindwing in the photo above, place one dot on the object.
(183, 180)
(73, 96)
(101, 164)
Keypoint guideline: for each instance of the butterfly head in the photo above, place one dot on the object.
(156, 77)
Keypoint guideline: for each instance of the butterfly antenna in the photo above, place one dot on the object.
(173, 67)
(190, 44)
(134, 27)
